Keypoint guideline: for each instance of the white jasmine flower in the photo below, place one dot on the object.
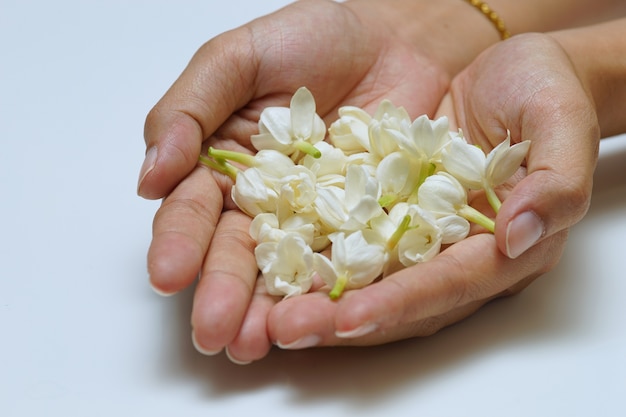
(330, 207)
(409, 234)
(330, 167)
(354, 263)
(291, 130)
(475, 170)
(399, 175)
(351, 208)
(298, 189)
(254, 192)
(385, 124)
(286, 265)
(362, 192)
(453, 228)
(265, 227)
(388, 111)
(306, 224)
(382, 143)
(422, 239)
(350, 132)
(443, 195)
(366, 160)
(426, 138)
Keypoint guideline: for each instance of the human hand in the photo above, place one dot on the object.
(343, 56)
(530, 87)
(526, 85)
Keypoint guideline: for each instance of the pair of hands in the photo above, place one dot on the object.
(526, 85)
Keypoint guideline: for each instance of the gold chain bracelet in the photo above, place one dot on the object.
(492, 16)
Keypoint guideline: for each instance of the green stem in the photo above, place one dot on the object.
(223, 154)
(307, 148)
(475, 216)
(338, 288)
(493, 199)
(400, 231)
(223, 167)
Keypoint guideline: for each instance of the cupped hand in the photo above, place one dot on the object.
(528, 86)
(343, 57)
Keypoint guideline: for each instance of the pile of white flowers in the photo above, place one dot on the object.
(383, 192)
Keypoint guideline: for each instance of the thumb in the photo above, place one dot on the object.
(217, 81)
(556, 192)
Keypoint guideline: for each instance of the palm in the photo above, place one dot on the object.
(341, 59)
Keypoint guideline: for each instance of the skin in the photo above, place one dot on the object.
(359, 58)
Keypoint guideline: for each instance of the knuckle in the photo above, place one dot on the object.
(183, 214)
(429, 326)
(459, 287)
(578, 197)
(574, 195)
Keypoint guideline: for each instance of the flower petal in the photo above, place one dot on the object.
(398, 174)
(262, 226)
(464, 161)
(265, 254)
(419, 245)
(442, 194)
(251, 193)
(504, 164)
(364, 261)
(453, 228)
(350, 132)
(302, 113)
(290, 270)
(275, 121)
(325, 269)
(329, 205)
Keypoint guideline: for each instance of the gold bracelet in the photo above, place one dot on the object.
(492, 16)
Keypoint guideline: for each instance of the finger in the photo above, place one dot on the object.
(466, 273)
(226, 285)
(446, 109)
(420, 328)
(303, 321)
(182, 229)
(309, 321)
(252, 342)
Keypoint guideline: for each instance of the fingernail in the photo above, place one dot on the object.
(358, 332)
(161, 292)
(234, 360)
(201, 349)
(147, 166)
(302, 343)
(523, 232)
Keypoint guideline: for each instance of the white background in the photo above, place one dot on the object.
(82, 333)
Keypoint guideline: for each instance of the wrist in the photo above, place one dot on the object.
(456, 32)
(451, 32)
